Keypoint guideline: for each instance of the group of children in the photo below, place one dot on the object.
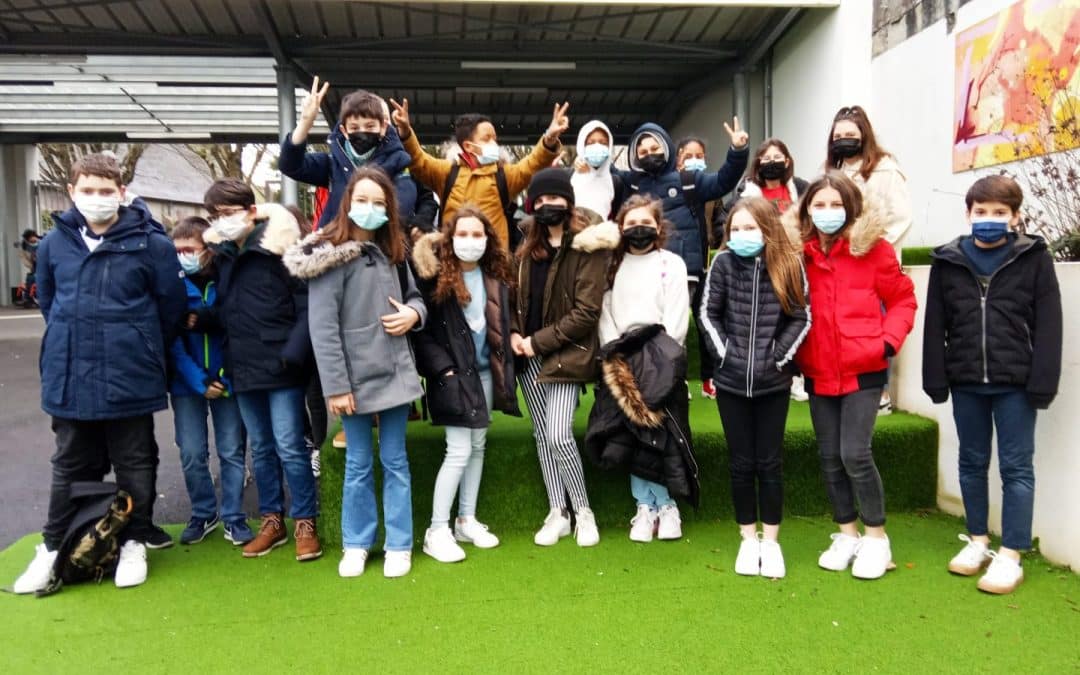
(607, 268)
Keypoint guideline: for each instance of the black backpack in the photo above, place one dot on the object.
(509, 206)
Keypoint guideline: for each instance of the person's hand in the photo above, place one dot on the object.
(400, 117)
(527, 347)
(309, 110)
(739, 138)
(215, 390)
(559, 124)
(192, 319)
(581, 166)
(342, 404)
(515, 344)
(401, 321)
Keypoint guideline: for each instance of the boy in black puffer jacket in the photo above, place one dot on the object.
(993, 338)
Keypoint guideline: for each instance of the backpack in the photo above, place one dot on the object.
(91, 546)
(509, 205)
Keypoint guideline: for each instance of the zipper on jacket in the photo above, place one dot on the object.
(684, 443)
(206, 336)
(753, 329)
(984, 294)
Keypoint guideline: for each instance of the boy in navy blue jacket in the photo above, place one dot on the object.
(112, 293)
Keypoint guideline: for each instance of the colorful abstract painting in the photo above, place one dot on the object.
(1018, 84)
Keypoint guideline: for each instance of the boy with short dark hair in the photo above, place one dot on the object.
(112, 293)
(993, 340)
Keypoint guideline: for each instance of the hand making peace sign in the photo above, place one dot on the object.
(739, 138)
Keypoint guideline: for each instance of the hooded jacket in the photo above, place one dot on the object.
(261, 307)
(686, 212)
(446, 344)
(595, 188)
(350, 286)
(1008, 333)
(198, 356)
(851, 336)
(109, 315)
(887, 186)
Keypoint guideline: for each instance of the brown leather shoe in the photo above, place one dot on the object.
(271, 534)
(307, 539)
(339, 440)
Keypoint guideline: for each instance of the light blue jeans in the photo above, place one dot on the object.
(462, 467)
(653, 495)
(192, 437)
(359, 514)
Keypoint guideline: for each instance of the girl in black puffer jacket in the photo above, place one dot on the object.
(756, 316)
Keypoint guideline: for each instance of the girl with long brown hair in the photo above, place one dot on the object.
(756, 316)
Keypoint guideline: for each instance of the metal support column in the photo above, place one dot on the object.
(286, 92)
(741, 97)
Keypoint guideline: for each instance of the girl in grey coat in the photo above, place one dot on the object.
(362, 303)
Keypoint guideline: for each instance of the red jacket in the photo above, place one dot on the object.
(849, 329)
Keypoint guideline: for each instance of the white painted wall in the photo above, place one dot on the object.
(706, 118)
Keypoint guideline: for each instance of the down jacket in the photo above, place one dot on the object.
(640, 418)
(751, 337)
(1006, 334)
(446, 344)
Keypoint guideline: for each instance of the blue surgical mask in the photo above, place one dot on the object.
(596, 154)
(489, 153)
(693, 164)
(829, 221)
(746, 243)
(368, 216)
(989, 230)
(191, 263)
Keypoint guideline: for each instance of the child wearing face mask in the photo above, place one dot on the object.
(863, 307)
(595, 186)
(199, 387)
(756, 317)
(363, 304)
(465, 355)
(640, 420)
(992, 339)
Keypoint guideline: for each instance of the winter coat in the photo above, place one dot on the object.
(446, 343)
(477, 186)
(686, 212)
(1009, 333)
(576, 283)
(262, 309)
(349, 288)
(595, 189)
(109, 315)
(745, 189)
(887, 186)
(640, 418)
(850, 337)
(197, 358)
(333, 170)
(753, 339)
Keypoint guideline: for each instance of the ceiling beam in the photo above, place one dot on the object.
(269, 32)
(768, 38)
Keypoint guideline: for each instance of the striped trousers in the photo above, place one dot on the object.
(551, 406)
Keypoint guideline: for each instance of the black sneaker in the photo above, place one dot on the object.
(158, 539)
(197, 529)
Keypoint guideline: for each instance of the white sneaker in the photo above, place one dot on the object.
(772, 560)
(873, 558)
(439, 544)
(1003, 575)
(643, 524)
(670, 523)
(131, 570)
(748, 562)
(556, 526)
(469, 530)
(37, 573)
(840, 553)
(971, 559)
(352, 562)
(397, 564)
(586, 532)
(798, 389)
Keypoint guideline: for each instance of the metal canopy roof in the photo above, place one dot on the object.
(185, 69)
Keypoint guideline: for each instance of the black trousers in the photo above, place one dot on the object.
(754, 429)
(315, 417)
(705, 354)
(84, 452)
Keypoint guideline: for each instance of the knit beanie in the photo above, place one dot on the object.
(554, 182)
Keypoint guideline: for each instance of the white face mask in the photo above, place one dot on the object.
(97, 209)
(470, 249)
(232, 226)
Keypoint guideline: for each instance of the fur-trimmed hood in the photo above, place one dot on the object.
(425, 255)
(867, 230)
(281, 231)
(314, 256)
(603, 236)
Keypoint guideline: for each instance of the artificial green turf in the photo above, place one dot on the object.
(620, 607)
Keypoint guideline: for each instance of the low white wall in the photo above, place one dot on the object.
(1057, 457)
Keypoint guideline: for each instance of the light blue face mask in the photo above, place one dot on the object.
(596, 154)
(191, 263)
(829, 221)
(368, 216)
(746, 243)
(694, 164)
(489, 153)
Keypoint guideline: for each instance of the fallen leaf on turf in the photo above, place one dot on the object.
(909, 565)
(836, 624)
(1013, 606)
(714, 568)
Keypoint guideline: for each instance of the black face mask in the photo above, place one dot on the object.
(845, 148)
(363, 141)
(640, 236)
(652, 163)
(772, 170)
(550, 216)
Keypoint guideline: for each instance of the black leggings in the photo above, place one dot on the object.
(754, 429)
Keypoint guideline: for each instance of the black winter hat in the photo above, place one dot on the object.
(551, 182)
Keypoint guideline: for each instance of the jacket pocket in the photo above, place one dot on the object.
(134, 367)
(368, 353)
(863, 347)
(54, 362)
(446, 396)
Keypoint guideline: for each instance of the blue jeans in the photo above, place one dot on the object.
(977, 415)
(359, 515)
(189, 418)
(653, 495)
(275, 426)
(463, 466)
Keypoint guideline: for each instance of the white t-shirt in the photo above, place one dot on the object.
(648, 289)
